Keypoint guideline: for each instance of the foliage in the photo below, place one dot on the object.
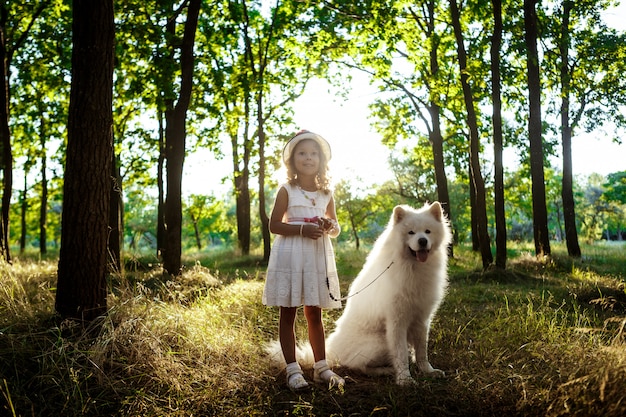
(295, 41)
(543, 338)
(206, 223)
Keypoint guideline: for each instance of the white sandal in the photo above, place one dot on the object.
(295, 377)
(323, 373)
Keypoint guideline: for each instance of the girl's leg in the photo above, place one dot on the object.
(286, 330)
(316, 331)
(322, 372)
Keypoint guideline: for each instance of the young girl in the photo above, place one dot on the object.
(301, 269)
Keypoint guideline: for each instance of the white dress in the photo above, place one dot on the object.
(302, 271)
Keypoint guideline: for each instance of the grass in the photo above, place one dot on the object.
(544, 337)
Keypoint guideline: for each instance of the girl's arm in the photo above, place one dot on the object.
(331, 214)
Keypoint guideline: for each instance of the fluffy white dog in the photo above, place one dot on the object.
(392, 301)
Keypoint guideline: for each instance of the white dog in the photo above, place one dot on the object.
(392, 301)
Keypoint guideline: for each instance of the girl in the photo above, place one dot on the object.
(301, 269)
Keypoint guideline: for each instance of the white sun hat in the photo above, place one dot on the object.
(299, 137)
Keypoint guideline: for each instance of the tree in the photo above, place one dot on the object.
(81, 288)
(567, 192)
(423, 84)
(540, 211)
(476, 178)
(590, 66)
(175, 135)
(7, 51)
(499, 208)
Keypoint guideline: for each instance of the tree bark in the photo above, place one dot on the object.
(540, 211)
(115, 218)
(265, 225)
(81, 288)
(500, 214)
(43, 208)
(476, 176)
(567, 190)
(175, 137)
(241, 175)
(160, 231)
(23, 211)
(6, 161)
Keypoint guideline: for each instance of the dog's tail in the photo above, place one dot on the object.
(304, 355)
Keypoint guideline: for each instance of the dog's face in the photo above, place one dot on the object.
(422, 231)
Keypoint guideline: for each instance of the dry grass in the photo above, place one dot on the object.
(541, 338)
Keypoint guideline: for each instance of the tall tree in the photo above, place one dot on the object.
(81, 288)
(567, 190)
(10, 42)
(402, 29)
(500, 215)
(258, 57)
(175, 139)
(589, 68)
(114, 248)
(540, 210)
(6, 161)
(476, 178)
(434, 110)
(40, 97)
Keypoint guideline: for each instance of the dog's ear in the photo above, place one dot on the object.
(436, 210)
(398, 214)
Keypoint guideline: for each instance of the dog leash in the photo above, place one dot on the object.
(357, 292)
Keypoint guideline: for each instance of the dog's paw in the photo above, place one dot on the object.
(405, 379)
(426, 368)
(437, 373)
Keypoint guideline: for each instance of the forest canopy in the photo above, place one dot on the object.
(443, 107)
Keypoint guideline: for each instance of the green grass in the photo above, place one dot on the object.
(543, 338)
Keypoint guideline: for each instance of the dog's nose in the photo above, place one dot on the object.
(423, 242)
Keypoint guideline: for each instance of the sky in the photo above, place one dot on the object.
(357, 151)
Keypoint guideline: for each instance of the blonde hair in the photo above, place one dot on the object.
(322, 179)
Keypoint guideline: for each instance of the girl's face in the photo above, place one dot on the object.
(306, 157)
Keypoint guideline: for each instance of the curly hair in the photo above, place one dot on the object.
(322, 179)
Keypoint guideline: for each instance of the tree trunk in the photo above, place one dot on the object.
(473, 215)
(115, 218)
(540, 211)
(160, 231)
(196, 231)
(567, 190)
(81, 288)
(357, 241)
(434, 134)
(43, 209)
(242, 199)
(245, 209)
(6, 161)
(436, 141)
(24, 210)
(241, 178)
(500, 214)
(476, 176)
(265, 221)
(175, 137)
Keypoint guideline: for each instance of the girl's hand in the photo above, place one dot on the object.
(325, 224)
(312, 231)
